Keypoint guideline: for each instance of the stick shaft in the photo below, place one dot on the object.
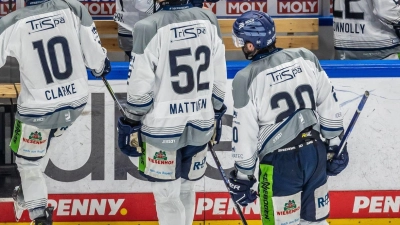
(121, 109)
(353, 121)
(226, 182)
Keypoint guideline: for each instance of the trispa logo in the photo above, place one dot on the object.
(297, 6)
(45, 23)
(284, 74)
(34, 138)
(187, 32)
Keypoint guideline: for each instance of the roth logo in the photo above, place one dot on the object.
(323, 201)
(242, 7)
(84, 207)
(297, 6)
(200, 165)
(45, 23)
(224, 206)
(211, 6)
(377, 204)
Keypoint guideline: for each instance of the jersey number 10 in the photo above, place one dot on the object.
(55, 69)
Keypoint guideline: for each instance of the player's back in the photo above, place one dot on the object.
(359, 32)
(183, 44)
(44, 39)
(283, 88)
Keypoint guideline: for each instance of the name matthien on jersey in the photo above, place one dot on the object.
(187, 107)
(284, 74)
(45, 23)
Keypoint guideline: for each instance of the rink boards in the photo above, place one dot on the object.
(91, 181)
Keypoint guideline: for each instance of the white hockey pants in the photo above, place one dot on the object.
(175, 201)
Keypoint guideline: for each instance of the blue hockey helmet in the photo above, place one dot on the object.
(255, 27)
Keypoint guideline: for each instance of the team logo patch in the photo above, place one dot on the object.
(160, 158)
(289, 208)
(34, 138)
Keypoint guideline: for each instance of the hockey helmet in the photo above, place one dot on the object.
(255, 27)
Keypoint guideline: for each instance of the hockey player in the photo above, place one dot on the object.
(176, 89)
(283, 101)
(54, 41)
(127, 14)
(367, 29)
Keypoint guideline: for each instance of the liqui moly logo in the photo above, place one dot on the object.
(331, 7)
(5, 7)
(238, 7)
(100, 8)
(211, 6)
(297, 6)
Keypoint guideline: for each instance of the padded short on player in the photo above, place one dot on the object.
(293, 185)
(30, 142)
(159, 165)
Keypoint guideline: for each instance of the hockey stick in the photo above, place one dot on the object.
(353, 121)
(226, 182)
(121, 109)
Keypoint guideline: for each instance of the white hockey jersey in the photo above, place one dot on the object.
(177, 76)
(54, 42)
(363, 29)
(129, 12)
(276, 97)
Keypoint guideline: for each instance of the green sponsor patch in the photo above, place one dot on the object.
(265, 188)
(142, 158)
(15, 140)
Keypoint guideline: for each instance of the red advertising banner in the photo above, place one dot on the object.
(209, 206)
(100, 9)
(5, 7)
(297, 6)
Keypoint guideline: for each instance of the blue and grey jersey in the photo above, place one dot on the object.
(54, 41)
(276, 97)
(364, 29)
(177, 76)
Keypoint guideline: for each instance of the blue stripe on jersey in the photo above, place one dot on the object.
(140, 105)
(218, 98)
(50, 113)
(331, 129)
(177, 135)
(243, 168)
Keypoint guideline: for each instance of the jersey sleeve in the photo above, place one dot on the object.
(220, 73)
(328, 108)
(244, 127)
(388, 11)
(141, 75)
(5, 39)
(94, 54)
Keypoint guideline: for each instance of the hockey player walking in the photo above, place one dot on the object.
(54, 41)
(368, 29)
(283, 102)
(175, 95)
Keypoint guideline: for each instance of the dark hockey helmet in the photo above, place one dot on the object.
(255, 27)
(176, 2)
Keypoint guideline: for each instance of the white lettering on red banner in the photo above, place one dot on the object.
(101, 8)
(242, 7)
(377, 204)
(83, 207)
(4, 8)
(211, 6)
(297, 6)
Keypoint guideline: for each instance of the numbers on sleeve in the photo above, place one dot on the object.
(235, 134)
(188, 70)
(348, 14)
(51, 50)
(285, 96)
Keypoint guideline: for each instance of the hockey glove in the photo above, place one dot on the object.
(106, 69)
(218, 124)
(336, 163)
(240, 190)
(129, 140)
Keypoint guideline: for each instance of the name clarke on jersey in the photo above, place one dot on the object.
(61, 91)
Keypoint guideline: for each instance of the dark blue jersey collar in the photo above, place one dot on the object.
(263, 55)
(176, 7)
(35, 2)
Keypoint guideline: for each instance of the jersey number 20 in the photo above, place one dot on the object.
(55, 69)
